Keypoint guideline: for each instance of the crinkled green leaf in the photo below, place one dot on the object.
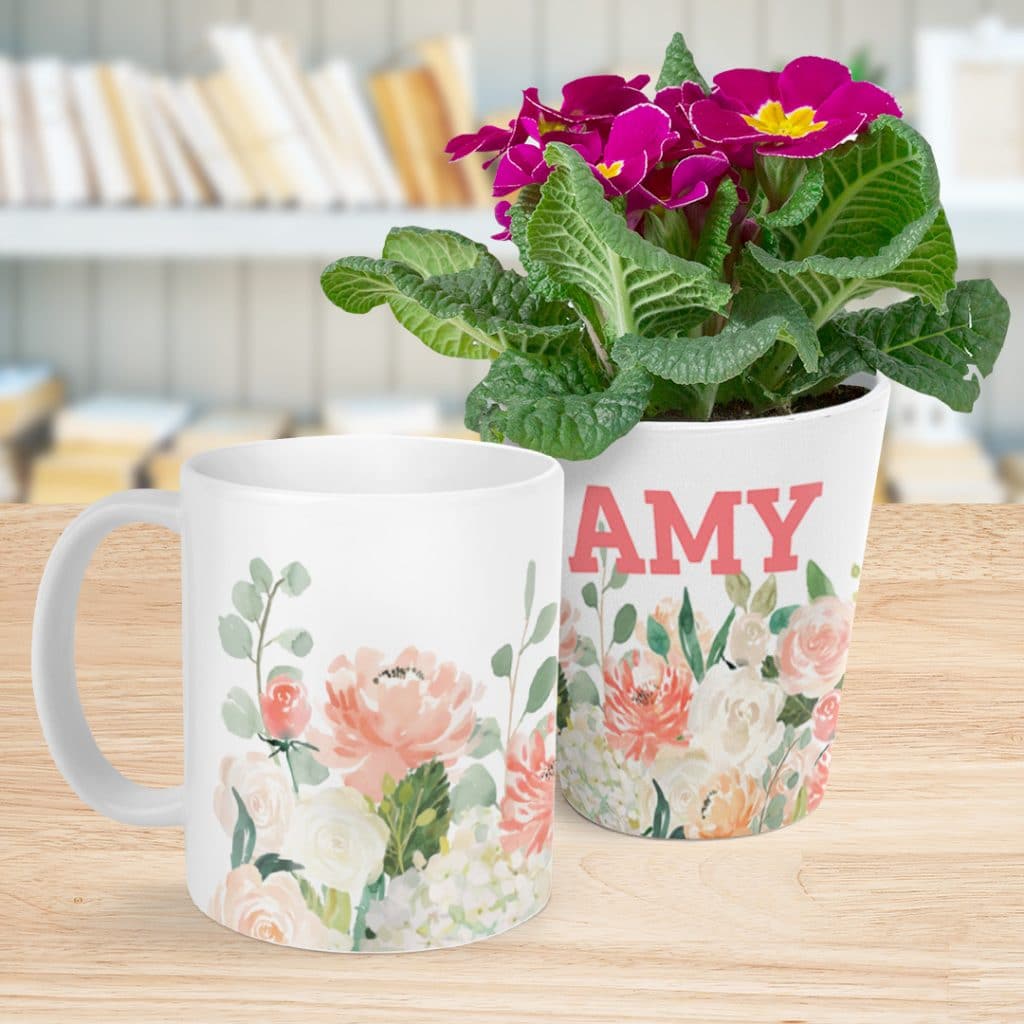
(563, 409)
(940, 354)
(586, 245)
(714, 247)
(757, 322)
(679, 65)
(797, 186)
(433, 252)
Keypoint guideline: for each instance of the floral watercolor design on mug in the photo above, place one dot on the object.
(368, 818)
(670, 729)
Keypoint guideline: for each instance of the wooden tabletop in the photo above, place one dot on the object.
(901, 899)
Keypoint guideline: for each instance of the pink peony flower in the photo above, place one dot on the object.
(285, 710)
(816, 781)
(272, 909)
(646, 704)
(527, 807)
(812, 650)
(826, 717)
(388, 717)
(811, 106)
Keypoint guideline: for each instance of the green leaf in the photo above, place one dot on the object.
(737, 587)
(679, 65)
(939, 354)
(795, 187)
(717, 649)
(586, 246)
(269, 863)
(757, 321)
(586, 652)
(423, 788)
(765, 598)
(235, 637)
(545, 620)
(501, 661)
(797, 710)
(589, 593)
(240, 714)
(486, 737)
(561, 409)
(262, 577)
(800, 808)
(563, 705)
(298, 641)
(289, 671)
(583, 691)
(542, 685)
(714, 245)
(618, 580)
(243, 841)
(774, 811)
(688, 638)
(372, 892)
(336, 910)
(531, 584)
(780, 618)
(473, 313)
(625, 623)
(247, 601)
(769, 670)
(818, 584)
(657, 637)
(431, 252)
(294, 579)
(662, 813)
(475, 789)
(306, 769)
(880, 203)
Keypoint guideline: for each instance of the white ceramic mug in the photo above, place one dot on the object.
(370, 644)
(709, 578)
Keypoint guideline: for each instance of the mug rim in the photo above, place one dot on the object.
(195, 468)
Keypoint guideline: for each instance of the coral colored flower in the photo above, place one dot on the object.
(826, 716)
(388, 717)
(284, 707)
(816, 781)
(646, 704)
(272, 909)
(527, 807)
(725, 806)
(266, 791)
(812, 650)
(809, 107)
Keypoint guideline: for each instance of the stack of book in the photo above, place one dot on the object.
(260, 130)
(29, 395)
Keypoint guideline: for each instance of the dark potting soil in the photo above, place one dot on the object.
(740, 411)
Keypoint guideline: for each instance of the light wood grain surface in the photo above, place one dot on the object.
(900, 900)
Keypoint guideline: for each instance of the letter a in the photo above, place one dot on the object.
(599, 502)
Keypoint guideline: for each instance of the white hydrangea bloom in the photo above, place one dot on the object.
(469, 889)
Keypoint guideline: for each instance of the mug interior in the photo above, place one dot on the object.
(371, 464)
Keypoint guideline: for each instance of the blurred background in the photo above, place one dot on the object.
(175, 173)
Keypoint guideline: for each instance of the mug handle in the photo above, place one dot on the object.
(96, 781)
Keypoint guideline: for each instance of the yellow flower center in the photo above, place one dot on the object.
(544, 126)
(610, 170)
(771, 119)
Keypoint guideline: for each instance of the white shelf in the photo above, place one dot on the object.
(987, 224)
(183, 234)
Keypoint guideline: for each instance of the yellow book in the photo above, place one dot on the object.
(28, 394)
(62, 477)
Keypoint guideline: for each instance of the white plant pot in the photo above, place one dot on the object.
(710, 575)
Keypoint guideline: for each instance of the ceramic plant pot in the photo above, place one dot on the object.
(710, 574)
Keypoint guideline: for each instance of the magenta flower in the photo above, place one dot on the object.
(676, 101)
(637, 139)
(593, 98)
(811, 106)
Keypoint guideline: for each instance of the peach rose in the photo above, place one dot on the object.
(816, 780)
(265, 790)
(388, 717)
(568, 638)
(528, 805)
(748, 639)
(826, 716)
(812, 649)
(725, 806)
(285, 710)
(272, 909)
(666, 614)
(646, 704)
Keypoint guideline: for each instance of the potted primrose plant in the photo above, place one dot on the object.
(682, 337)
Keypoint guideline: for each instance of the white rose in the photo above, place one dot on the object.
(265, 790)
(681, 771)
(734, 717)
(338, 838)
(748, 639)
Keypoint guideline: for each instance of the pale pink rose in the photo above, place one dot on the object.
(568, 638)
(527, 807)
(748, 639)
(812, 650)
(816, 780)
(388, 717)
(826, 716)
(646, 704)
(725, 806)
(284, 707)
(266, 791)
(272, 910)
(666, 614)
